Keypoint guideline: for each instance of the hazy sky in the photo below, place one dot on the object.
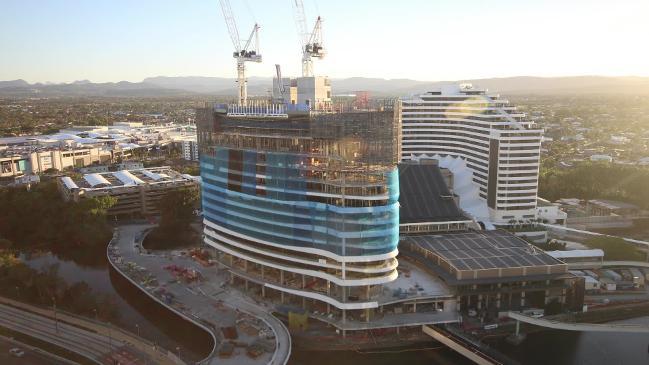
(113, 40)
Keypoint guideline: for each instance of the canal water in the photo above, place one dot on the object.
(161, 326)
(137, 312)
(576, 348)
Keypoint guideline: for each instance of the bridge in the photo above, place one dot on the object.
(464, 346)
(590, 327)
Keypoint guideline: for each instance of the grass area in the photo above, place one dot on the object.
(615, 249)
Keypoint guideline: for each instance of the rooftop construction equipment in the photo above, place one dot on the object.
(311, 42)
(249, 52)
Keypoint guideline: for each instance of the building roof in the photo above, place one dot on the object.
(424, 196)
(576, 253)
(612, 204)
(479, 250)
(127, 178)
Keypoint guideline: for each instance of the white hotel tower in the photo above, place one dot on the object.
(487, 144)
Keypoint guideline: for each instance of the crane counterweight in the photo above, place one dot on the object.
(246, 53)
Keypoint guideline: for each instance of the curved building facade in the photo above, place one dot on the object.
(303, 207)
(498, 144)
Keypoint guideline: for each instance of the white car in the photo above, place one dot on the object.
(17, 352)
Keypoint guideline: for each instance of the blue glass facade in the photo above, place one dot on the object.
(274, 197)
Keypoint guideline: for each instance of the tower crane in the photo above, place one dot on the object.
(249, 52)
(311, 42)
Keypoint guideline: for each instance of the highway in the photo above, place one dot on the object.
(71, 338)
(96, 341)
(32, 356)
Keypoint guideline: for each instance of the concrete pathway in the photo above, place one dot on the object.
(209, 303)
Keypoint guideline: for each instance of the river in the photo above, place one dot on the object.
(576, 348)
(137, 312)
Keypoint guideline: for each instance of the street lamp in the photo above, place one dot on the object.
(56, 323)
(178, 349)
(96, 316)
(138, 329)
(110, 341)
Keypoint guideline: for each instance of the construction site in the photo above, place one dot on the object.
(305, 203)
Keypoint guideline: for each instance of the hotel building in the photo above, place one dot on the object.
(498, 146)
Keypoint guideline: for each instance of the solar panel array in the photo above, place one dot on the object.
(484, 250)
(424, 196)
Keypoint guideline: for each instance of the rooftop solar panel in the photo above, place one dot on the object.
(477, 250)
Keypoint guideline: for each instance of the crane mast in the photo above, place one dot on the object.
(248, 53)
(311, 42)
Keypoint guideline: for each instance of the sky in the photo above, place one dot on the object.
(114, 40)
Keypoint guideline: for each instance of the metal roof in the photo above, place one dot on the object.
(153, 175)
(96, 179)
(424, 196)
(127, 178)
(478, 250)
(576, 253)
(69, 183)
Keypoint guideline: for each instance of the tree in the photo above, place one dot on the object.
(5, 244)
(177, 209)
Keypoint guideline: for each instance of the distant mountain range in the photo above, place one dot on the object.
(219, 86)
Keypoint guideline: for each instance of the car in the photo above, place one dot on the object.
(17, 352)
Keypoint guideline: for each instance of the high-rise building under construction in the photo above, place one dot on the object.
(303, 204)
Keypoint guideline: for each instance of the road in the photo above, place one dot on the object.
(93, 340)
(208, 302)
(33, 356)
(71, 338)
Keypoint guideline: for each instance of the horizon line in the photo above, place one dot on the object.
(332, 78)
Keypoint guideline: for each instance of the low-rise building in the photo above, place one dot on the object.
(550, 212)
(491, 270)
(601, 158)
(486, 270)
(41, 161)
(601, 207)
(580, 259)
(12, 166)
(138, 192)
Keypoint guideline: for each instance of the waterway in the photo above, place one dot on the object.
(137, 312)
(577, 348)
